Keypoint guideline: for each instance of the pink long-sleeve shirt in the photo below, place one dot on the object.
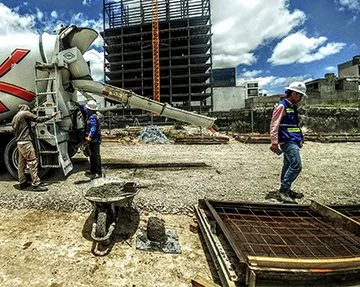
(278, 114)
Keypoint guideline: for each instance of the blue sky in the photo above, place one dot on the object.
(273, 41)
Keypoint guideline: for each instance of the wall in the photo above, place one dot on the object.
(228, 98)
(349, 68)
(268, 101)
(349, 72)
(315, 119)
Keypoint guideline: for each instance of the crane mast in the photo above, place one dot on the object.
(155, 51)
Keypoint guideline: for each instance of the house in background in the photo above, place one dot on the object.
(350, 68)
(332, 89)
(229, 96)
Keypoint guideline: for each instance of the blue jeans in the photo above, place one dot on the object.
(291, 166)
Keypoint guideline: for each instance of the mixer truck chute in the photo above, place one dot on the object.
(46, 71)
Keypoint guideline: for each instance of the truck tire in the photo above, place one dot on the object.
(101, 224)
(2, 159)
(11, 160)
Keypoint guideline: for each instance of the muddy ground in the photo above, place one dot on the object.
(42, 245)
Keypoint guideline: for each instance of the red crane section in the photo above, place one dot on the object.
(155, 50)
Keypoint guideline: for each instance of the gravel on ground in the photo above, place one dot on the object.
(235, 172)
(45, 237)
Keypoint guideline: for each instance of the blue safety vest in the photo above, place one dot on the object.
(289, 129)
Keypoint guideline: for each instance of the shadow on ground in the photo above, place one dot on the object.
(125, 228)
(214, 274)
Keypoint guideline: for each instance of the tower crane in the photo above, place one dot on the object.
(155, 50)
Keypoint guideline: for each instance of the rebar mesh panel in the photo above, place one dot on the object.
(287, 232)
(352, 211)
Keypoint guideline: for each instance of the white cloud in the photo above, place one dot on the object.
(271, 85)
(298, 48)
(12, 23)
(39, 14)
(349, 4)
(224, 26)
(49, 23)
(96, 59)
(330, 69)
(86, 2)
(352, 20)
(251, 74)
(226, 61)
(353, 46)
(54, 14)
(237, 36)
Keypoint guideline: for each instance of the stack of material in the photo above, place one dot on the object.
(201, 140)
(153, 134)
(254, 138)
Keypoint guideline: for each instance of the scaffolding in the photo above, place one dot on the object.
(185, 50)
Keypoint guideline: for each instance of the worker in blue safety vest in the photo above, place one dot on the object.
(287, 138)
(92, 137)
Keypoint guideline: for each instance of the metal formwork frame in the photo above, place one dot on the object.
(303, 241)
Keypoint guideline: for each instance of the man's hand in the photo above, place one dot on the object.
(53, 114)
(274, 147)
(75, 103)
(88, 138)
(300, 144)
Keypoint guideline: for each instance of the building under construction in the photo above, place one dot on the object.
(184, 33)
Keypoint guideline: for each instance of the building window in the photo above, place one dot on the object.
(313, 87)
(252, 92)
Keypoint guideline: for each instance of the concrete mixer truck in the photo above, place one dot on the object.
(46, 72)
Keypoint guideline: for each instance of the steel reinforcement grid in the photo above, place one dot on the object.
(284, 231)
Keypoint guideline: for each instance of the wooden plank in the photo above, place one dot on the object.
(328, 265)
(255, 140)
(199, 281)
(201, 140)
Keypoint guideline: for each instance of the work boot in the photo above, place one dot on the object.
(285, 197)
(295, 195)
(90, 174)
(24, 185)
(39, 188)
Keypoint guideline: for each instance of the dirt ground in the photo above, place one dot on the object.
(41, 245)
(55, 249)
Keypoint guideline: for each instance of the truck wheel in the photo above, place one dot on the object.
(101, 224)
(2, 159)
(11, 160)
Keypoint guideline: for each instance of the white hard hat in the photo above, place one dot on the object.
(298, 87)
(92, 105)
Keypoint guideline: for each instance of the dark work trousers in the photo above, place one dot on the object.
(95, 159)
